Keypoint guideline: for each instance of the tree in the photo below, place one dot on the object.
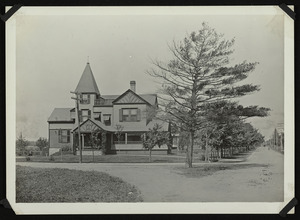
(199, 73)
(97, 141)
(119, 133)
(42, 143)
(21, 143)
(155, 137)
(225, 120)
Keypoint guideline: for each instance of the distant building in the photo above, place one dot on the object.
(132, 112)
(277, 140)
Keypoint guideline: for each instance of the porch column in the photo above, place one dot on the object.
(125, 138)
(82, 138)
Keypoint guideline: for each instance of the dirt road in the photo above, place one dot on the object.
(258, 179)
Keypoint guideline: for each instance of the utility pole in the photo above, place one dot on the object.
(78, 121)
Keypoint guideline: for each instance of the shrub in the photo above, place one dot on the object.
(27, 158)
(66, 148)
(51, 158)
(202, 157)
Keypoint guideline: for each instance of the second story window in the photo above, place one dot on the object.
(130, 114)
(85, 99)
(107, 119)
(84, 114)
(97, 116)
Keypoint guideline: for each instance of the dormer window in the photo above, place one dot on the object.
(85, 99)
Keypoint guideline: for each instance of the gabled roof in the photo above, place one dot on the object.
(97, 123)
(130, 97)
(87, 83)
(150, 98)
(60, 114)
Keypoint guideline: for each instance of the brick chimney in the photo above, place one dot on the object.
(132, 85)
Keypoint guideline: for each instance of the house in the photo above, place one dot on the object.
(130, 115)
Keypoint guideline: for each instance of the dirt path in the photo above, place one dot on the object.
(259, 179)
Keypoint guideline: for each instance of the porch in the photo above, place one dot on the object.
(114, 143)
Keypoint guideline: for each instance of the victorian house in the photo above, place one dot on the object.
(121, 119)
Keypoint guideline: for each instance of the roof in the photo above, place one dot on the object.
(60, 114)
(108, 99)
(87, 83)
(150, 98)
(133, 98)
(98, 123)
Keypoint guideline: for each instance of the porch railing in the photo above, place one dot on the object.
(128, 142)
(98, 102)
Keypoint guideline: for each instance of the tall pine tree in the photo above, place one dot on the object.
(199, 74)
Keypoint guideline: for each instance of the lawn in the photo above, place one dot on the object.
(64, 185)
(122, 158)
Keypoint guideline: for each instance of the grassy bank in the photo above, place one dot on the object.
(64, 185)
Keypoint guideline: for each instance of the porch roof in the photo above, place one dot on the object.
(97, 123)
(125, 129)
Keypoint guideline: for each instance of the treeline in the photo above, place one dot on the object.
(28, 148)
(224, 140)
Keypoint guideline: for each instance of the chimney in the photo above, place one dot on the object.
(132, 85)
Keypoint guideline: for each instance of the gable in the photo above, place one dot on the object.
(129, 97)
(88, 126)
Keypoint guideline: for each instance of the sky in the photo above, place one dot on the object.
(52, 52)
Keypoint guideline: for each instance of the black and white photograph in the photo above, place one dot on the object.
(150, 109)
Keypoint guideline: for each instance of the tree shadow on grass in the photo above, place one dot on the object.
(209, 169)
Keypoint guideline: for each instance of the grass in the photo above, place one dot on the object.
(122, 158)
(64, 185)
(209, 169)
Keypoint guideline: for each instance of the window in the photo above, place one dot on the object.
(130, 114)
(85, 99)
(107, 119)
(63, 136)
(97, 116)
(84, 114)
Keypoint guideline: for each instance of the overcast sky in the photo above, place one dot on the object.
(52, 53)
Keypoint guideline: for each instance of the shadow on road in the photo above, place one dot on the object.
(201, 171)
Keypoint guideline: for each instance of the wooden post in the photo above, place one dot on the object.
(79, 137)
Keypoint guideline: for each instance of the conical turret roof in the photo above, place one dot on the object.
(87, 83)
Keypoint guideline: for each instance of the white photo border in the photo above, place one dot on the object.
(151, 208)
